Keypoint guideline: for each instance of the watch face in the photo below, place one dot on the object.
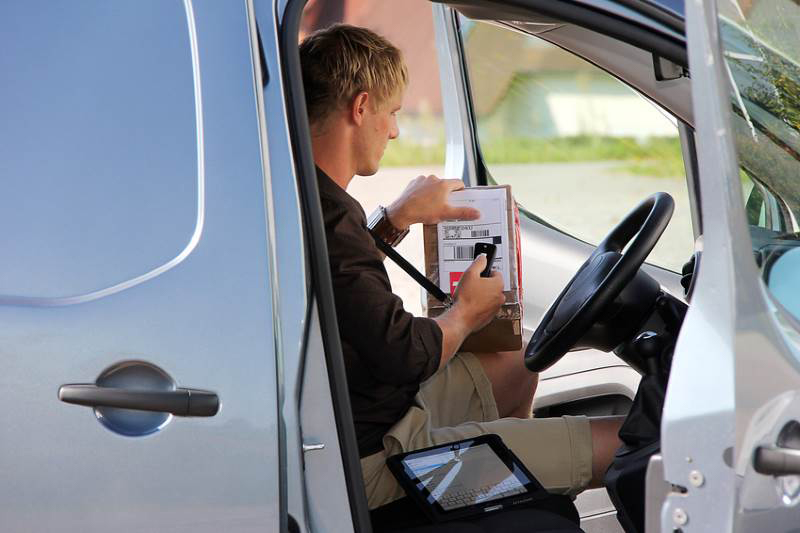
(375, 217)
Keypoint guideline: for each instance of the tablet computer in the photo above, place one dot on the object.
(465, 478)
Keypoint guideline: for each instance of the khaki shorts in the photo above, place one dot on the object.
(457, 403)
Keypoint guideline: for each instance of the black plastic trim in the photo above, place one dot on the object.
(609, 404)
(776, 461)
(589, 17)
(261, 60)
(657, 12)
(691, 145)
(319, 267)
(179, 402)
(481, 171)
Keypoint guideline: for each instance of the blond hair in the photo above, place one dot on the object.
(341, 61)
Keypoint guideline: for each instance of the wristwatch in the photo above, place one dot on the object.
(380, 226)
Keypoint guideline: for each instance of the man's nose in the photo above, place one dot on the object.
(394, 131)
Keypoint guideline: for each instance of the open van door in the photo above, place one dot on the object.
(731, 436)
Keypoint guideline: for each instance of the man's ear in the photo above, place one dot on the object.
(359, 107)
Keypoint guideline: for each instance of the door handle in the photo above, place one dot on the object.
(776, 461)
(179, 402)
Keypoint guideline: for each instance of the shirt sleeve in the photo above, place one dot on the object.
(397, 347)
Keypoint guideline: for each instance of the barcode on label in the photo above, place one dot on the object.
(479, 233)
(464, 252)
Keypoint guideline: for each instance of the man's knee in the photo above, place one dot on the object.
(512, 383)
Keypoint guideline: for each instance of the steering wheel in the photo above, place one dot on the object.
(599, 281)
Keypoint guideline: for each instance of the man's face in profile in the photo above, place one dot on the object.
(378, 127)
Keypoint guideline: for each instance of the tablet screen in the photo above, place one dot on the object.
(460, 476)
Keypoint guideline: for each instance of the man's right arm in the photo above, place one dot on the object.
(426, 200)
(477, 300)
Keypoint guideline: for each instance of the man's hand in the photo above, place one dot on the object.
(425, 200)
(477, 300)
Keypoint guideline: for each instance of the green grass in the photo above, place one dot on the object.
(407, 154)
(656, 156)
(662, 168)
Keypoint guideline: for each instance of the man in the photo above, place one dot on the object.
(408, 387)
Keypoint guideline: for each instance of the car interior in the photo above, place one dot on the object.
(609, 300)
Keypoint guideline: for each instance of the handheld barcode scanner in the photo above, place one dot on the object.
(490, 250)
(480, 248)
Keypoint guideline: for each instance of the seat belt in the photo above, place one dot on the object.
(409, 269)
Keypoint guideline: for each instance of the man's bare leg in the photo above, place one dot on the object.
(605, 441)
(513, 384)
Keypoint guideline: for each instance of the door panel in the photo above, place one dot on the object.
(206, 321)
(322, 465)
(762, 71)
(744, 338)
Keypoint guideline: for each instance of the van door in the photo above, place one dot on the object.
(736, 372)
(138, 360)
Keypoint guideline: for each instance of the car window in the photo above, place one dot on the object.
(761, 42)
(99, 144)
(579, 148)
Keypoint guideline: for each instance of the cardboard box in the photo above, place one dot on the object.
(504, 332)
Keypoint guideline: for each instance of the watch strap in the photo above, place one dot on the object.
(380, 226)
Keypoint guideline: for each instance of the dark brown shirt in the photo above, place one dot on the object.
(387, 351)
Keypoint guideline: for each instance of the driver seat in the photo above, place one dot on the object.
(555, 514)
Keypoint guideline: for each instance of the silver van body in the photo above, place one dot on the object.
(163, 238)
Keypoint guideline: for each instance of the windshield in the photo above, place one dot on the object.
(761, 42)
